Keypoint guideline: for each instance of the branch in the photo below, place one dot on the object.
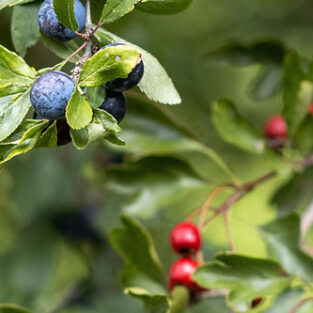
(299, 305)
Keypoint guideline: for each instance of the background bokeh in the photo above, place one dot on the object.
(58, 206)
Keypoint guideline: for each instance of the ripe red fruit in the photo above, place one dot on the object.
(311, 109)
(185, 238)
(256, 302)
(181, 272)
(276, 128)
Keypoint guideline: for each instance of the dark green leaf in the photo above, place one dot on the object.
(282, 238)
(115, 9)
(5, 3)
(24, 27)
(49, 138)
(96, 7)
(164, 6)
(133, 242)
(12, 308)
(78, 111)
(154, 303)
(235, 128)
(64, 10)
(156, 83)
(108, 64)
(179, 300)
(247, 278)
(303, 136)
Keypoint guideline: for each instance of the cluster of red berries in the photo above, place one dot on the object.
(276, 129)
(186, 241)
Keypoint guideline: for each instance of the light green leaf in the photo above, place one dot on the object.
(12, 308)
(235, 128)
(64, 10)
(180, 298)
(109, 64)
(247, 278)
(282, 238)
(5, 3)
(78, 111)
(154, 303)
(156, 83)
(24, 27)
(164, 6)
(133, 242)
(115, 9)
(12, 111)
(96, 96)
(49, 138)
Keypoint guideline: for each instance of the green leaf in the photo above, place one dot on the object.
(96, 7)
(163, 6)
(12, 112)
(78, 111)
(96, 96)
(156, 83)
(297, 93)
(296, 194)
(49, 138)
(24, 27)
(180, 298)
(154, 303)
(133, 242)
(270, 52)
(12, 308)
(235, 128)
(247, 278)
(303, 136)
(61, 49)
(282, 239)
(24, 145)
(103, 126)
(64, 10)
(115, 9)
(5, 3)
(150, 191)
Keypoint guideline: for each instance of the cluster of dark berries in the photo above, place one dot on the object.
(186, 241)
(52, 91)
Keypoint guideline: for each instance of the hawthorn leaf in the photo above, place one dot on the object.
(24, 27)
(245, 277)
(297, 92)
(282, 239)
(108, 64)
(163, 6)
(156, 83)
(13, 109)
(235, 128)
(133, 242)
(154, 303)
(64, 10)
(12, 308)
(115, 9)
(78, 111)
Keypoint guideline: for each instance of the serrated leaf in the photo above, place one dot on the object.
(108, 64)
(282, 239)
(154, 303)
(24, 27)
(296, 194)
(247, 278)
(297, 92)
(64, 10)
(12, 308)
(78, 111)
(163, 6)
(149, 192)
(12, 111)
(24, 145)
(156, 83)
(61, 49)
(115, 9)
(103, 126)
(235, 128)
(133, 242)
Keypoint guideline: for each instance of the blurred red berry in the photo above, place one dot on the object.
(276, 128)
(181, 272)
(185, 238)
(311, 109)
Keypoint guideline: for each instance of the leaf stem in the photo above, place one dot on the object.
(300, 304)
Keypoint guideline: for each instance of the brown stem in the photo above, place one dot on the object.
(299, 305)
(228, 231)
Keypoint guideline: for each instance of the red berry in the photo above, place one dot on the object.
(185, 238)
(311, 109)
(181, 272)
(276, 128)
(256, 302)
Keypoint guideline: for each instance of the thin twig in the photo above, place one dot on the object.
(228, 231)
(299, 305)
